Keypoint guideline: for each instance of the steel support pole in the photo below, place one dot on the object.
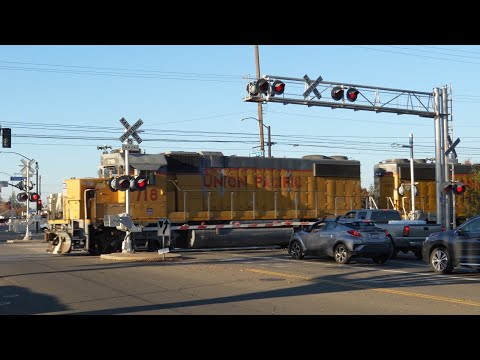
(28, 235)
(36, 190)
(438, 158)
(445, 158)
(127, 242)
(412, 180)
(269, 142)
(259, 104)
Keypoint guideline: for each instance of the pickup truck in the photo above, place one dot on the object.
(405, 235)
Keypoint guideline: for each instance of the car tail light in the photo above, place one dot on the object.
(443, 228)
(354, 233)
(386, 232)
(406, 230)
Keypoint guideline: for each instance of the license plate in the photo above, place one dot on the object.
(374, 236)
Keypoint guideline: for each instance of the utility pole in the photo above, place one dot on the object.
(260, 110)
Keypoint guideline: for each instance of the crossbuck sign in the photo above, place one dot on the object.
(131, 130)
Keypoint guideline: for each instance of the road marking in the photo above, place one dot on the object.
(388, 291)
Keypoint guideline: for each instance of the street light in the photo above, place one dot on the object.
(27, 230)
(412, 181)
(269, 143)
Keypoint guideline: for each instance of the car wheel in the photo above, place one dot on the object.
(394, 249)
(296, 250)
(341, 254)
(440, 261)
(380, 259)
(418, 254)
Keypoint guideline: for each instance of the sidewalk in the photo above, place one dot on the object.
(17, 238)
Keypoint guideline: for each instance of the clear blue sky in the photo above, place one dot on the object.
(61, 102)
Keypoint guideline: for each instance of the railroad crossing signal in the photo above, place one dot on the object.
(451, 148)
(28, 165)
(312, 86)
(131, 130)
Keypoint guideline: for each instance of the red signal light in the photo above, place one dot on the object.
(278, 87)
(34, 197)
(459, 188)
(352, 94)
(139, 183)
(337, 93)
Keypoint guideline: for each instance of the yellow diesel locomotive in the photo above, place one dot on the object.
(210, 199)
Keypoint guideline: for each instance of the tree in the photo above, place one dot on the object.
(472, 195)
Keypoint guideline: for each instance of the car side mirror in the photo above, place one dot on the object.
(459, 232)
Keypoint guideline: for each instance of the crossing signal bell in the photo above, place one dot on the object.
(127, 182)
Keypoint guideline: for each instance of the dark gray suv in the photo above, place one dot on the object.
(448, 249)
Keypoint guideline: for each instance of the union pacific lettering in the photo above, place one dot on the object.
(219, 181)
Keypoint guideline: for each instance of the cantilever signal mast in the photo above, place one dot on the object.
(368, 98)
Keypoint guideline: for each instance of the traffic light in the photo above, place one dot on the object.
(352, 94)
(459, 188)
(337, 93)
(278, 87)
(6, 137)
(39, 205)
(23, 196)
(121, 183)
(447, 187)
(138, 183)
(34, 197)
